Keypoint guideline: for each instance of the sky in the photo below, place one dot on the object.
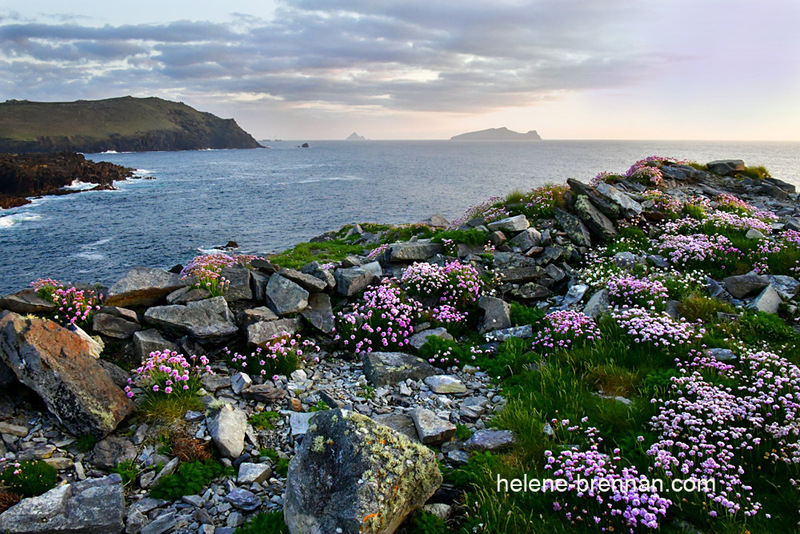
(422, 69)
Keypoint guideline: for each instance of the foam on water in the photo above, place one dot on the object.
(15, 219)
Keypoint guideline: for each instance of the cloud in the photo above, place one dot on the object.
(410, 56)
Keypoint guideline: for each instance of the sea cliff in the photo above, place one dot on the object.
(584, 330)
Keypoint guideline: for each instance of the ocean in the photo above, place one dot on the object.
(267, 200)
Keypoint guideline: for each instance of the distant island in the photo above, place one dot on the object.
(355, 137)
(497, 134)
(124, 124)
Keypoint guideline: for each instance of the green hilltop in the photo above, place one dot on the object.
(124, 124)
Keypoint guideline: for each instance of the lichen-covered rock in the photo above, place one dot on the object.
(390, 368)
(353, 475)
(598, 224)
(143, 286)
(58, 365)
(575, 229)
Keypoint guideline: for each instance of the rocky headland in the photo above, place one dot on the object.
(498, 134)
(384, 384)
(124, 124)
(31, 175)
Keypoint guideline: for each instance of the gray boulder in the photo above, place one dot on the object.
(325, 275)
(445, 384)
(391, 368)
(517, 223)
(308, 282)
(575, 229)
(147, 341)
(111, 451)
(187, 294)
(285, 296)
(600, 225)
(726, 166)
(524, 331)
(786, 286)
(530, 237)
(93, 505)
(401, 423)
(489, 440)
(496, 314)
(58, 365)
(415, 250)
(768, 301)
(26, 301)
(238, 285)
(208, 319)
(114, 326)
(745, 285)
(262, 331)
(227, 427)
(319, 312)
(598, 304)
(431, 429)
(143, 286)
(419, 339)
(353, 475)
(629, 208)
(352, 280)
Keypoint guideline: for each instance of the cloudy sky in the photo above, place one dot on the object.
(422, 69)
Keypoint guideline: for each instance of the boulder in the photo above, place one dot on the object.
(786, 286)
(414, 250)
(628, 207)
(726, 166)
(187, 294)
(489, 440)
(600, 225)
(598, 304)
(574, 295)
(208, 319)
(113, 326)
(26, 301)
(57, 364)
(354, 475)
(111, 451)
(250, 473)
(391, 368)
(437, 221)
(496, 314)
(431, 429)
(530, 237)
(575, 229)
(445, 384)
(147, 341)
(524, 331)
(352, 280)
(285, 296)
(92, 505)
(319, 312)
(143, 286)
(266, 393)
(399, 422)
(309, 282)
(768, 301)
(745, 285)
(299, 421)
(325, 275)
(227, 427)
(419, 339)
(263, 331)
(258, 285)
(520, 275)
(517, 223)
(237, 285)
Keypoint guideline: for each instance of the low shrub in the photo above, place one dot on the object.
(29, 478)
(264, 523)
(264, 420)
(128, 470)
(190, 479)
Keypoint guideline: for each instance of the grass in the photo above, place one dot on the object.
(190, 479)
(327, 251)
(169, 408)
(264, 523)
(280, 466)
(758, 172)
(128, 470)
(264, 420)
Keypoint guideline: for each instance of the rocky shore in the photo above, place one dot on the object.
(30, 175)
(354, 438)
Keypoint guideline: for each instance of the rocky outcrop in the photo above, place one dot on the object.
(57, 364)
(353, 475)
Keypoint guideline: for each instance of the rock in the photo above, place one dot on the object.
(768, 301)
(786, 286)
(524, 331)
(208, 319)
(414, 251)
(598, 304)
(517, 223)
(431, 429)
(161, 524)
(489, 440)
(390, 368)
(340, 481)
(111, 451)
(752, 233)
(520, 275)
(319, 312)
(14, 430)
(726, 166)
(263, 331)
(399, 422)
(600, 225)
(93, 505)
(575, 229)
(266, 393)
(96, 345)
(745, 285)
(530, 237)
(629, 208)
(325, 275)
(556, 273)
(352, 280)
(497, 314)
(419, 339)
(298, 422)
(445, 384)
(26, 301)
(284, 296)
(166, 471)
(244, 499)
(142, 286)
(227, 428)
(253, 473)
(574, 295)
(58, 366)
(458, 457)
(625, 260)
(436, 221)
(237, 285)
(147, 341)
(187, 294)
(255, 315)
(530, 291)
(116, 327)
(722, 355)
(240, 381)
(309, 282)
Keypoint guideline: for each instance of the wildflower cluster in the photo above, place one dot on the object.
(384, 321)
(698, 248)
(630, 291)
(658, 329)
(75, 306)
(563, 329)
(205, 271)
(454, 285)
(598, 271)
(279, 355)
(167, 372)
(632, 501)
(732, 204)
(541, 201)
(663, 202)
(487, 210)
(377, 251)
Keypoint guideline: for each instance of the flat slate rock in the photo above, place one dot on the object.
(263, 331)
(205, 319)
(26, 301)
(391, 368)
(143, 286)
(319, 312)
(489, 440)
(431, 429)
(307, 281)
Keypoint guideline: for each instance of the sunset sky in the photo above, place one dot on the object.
(421, 69)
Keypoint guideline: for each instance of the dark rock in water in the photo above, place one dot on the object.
(93, 505)
(390, 368)
(26, 301)
(143, 286)
(57, 364)
(232, 244)
(353, 475)
(726, 166)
